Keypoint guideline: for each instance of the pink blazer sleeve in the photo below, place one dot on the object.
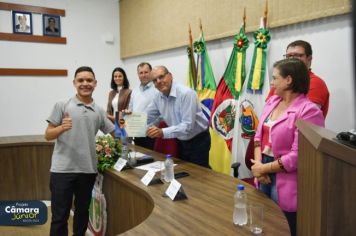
(312, 114)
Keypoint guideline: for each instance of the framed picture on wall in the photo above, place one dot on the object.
(51, 25)
(21, 22)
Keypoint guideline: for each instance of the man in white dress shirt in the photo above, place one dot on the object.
(141, 98)
(180, 108)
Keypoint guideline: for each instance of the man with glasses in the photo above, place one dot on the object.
(318, 91)
(180, 108)
(141, 97)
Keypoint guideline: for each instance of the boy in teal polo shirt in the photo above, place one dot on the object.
(74, 124)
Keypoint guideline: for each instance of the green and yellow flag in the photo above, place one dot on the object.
(191, 77)
(251, 101)
(258, 68)
(205, 86)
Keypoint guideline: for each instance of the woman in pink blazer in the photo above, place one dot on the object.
(276, 139)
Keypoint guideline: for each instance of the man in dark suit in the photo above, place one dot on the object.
(51, 28)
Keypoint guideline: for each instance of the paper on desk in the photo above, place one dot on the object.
(138, 155)
(154, 166)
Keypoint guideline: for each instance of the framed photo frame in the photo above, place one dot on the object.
(21, 22)
(51, 25)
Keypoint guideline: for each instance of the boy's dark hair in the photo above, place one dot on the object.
(84, 68)
(298, 71)
(126, 83)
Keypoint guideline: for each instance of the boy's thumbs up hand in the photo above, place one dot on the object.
(66, 122)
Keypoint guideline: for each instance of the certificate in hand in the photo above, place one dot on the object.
(136, 124)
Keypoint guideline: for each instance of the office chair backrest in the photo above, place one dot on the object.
(166, 146)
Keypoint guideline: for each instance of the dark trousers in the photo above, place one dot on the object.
(196, 150)
(145, 142)
(63, 187)
(292, 222)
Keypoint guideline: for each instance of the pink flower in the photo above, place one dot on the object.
(108, 152)
(99, 147)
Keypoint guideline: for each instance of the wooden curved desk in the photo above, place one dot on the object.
(134, 209)
(207, 211)
(25, 163)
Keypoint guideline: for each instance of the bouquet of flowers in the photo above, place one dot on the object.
(108, 151)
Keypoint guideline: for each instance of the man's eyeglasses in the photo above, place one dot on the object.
(160, 77)
(293, 55)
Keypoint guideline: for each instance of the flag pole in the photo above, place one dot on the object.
(200, 26)
(244, 19)
(192, 61)
(265, 15)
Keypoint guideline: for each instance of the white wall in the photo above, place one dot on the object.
(25, 102)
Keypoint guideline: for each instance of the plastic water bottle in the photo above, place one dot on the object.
(124, 149)
(132, 155)
(169, 169)
(240, 209)
(163, 171)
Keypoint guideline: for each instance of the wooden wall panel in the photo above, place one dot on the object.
(127, 206)
(311, 170)
(24, 171)
(326, 183)
(156, 25)
(34, 9)
(32, 72)
(340, 198)
(32, 38)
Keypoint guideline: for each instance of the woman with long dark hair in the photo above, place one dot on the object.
(119, 96)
